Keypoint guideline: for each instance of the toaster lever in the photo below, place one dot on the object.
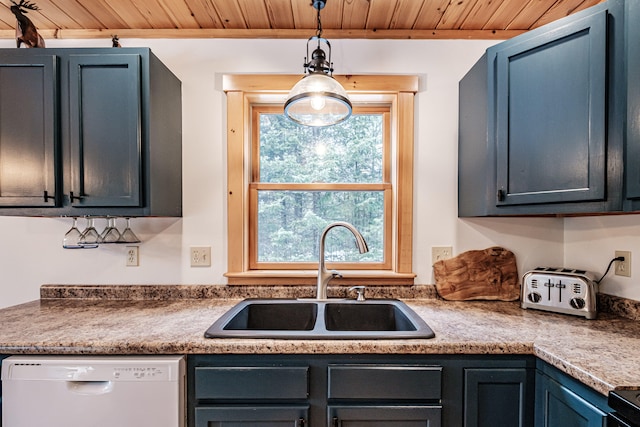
(560, 287)
(549, 285)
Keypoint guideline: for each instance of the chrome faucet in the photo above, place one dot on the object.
(325, 276)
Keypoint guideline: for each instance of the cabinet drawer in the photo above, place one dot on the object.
(267, 416)
(249, 382)
(385, 415)
(418, 382)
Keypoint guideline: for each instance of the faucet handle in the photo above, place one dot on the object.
(336, 274)
(360, 291)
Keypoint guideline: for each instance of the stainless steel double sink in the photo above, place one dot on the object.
(320, 319)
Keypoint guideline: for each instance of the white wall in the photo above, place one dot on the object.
(31, 252)
(592, 241)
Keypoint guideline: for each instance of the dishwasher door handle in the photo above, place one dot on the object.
(90, 388)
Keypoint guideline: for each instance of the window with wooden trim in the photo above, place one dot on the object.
(286, 182)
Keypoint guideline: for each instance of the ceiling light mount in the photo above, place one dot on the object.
(318, 99)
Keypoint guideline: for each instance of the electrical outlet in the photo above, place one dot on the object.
(623, 268)
(133, 259)
(439, 253)
(200, 256)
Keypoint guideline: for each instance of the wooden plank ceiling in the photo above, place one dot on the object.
(389, 19)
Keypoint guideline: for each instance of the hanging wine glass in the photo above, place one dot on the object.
(128, 236)
(89, 237)
(110, 234)
(71, 238)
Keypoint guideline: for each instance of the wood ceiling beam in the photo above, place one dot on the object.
(271, 34)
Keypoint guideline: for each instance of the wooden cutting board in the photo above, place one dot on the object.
(489, 274)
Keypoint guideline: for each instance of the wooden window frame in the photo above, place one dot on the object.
(245, 90)
(384, 185)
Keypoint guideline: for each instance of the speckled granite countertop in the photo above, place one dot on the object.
(603, 353)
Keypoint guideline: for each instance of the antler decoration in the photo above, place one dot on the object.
(26, 32)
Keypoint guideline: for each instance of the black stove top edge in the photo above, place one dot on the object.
(626, 403)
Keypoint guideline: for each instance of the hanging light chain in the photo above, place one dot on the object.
(319, 28)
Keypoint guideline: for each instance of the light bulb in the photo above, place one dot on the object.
(317, 102)
(321, 149)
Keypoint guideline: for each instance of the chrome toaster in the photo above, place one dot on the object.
(561, 290)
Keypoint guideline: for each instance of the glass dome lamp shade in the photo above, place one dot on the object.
(318, 100)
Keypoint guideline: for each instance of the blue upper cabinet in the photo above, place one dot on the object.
(544, 133)
(89, 131)
(550, 115)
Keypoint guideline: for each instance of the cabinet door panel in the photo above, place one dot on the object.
(105, 130)
(384, 416)
(28, 131)
(550, 115)
(632, 165)
(498, 397)
(254, 416)
(560, 407)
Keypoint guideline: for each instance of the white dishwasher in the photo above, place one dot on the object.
(87, 391)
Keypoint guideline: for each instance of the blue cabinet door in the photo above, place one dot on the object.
(105, 130)
(498, 397)
(633, 103)
(29, 167)
(550, 114)
(565, 405)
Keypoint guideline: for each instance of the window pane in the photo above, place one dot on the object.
(350, 152)
(290, 224)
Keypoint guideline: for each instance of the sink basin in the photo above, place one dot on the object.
(326, 319)
(275, 317)
(366, 317)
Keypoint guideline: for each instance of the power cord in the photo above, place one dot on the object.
(620, 258)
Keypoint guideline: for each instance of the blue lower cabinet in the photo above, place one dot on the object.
(562, 401)
(360, 391)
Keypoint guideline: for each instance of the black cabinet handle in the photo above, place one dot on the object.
(501, 195)
(335, 422)
(300, 423)
(47, 196)
(72, 197)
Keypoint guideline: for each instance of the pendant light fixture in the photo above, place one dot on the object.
(318, 99)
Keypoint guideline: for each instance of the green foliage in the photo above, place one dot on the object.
(290, 222)
(348, 152)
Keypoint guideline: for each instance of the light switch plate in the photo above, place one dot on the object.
(439, 253)
(200, 256)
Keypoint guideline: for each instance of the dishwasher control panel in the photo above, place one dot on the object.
(71, 371)
(561, 290)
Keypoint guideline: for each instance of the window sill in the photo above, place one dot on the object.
(309, 277)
